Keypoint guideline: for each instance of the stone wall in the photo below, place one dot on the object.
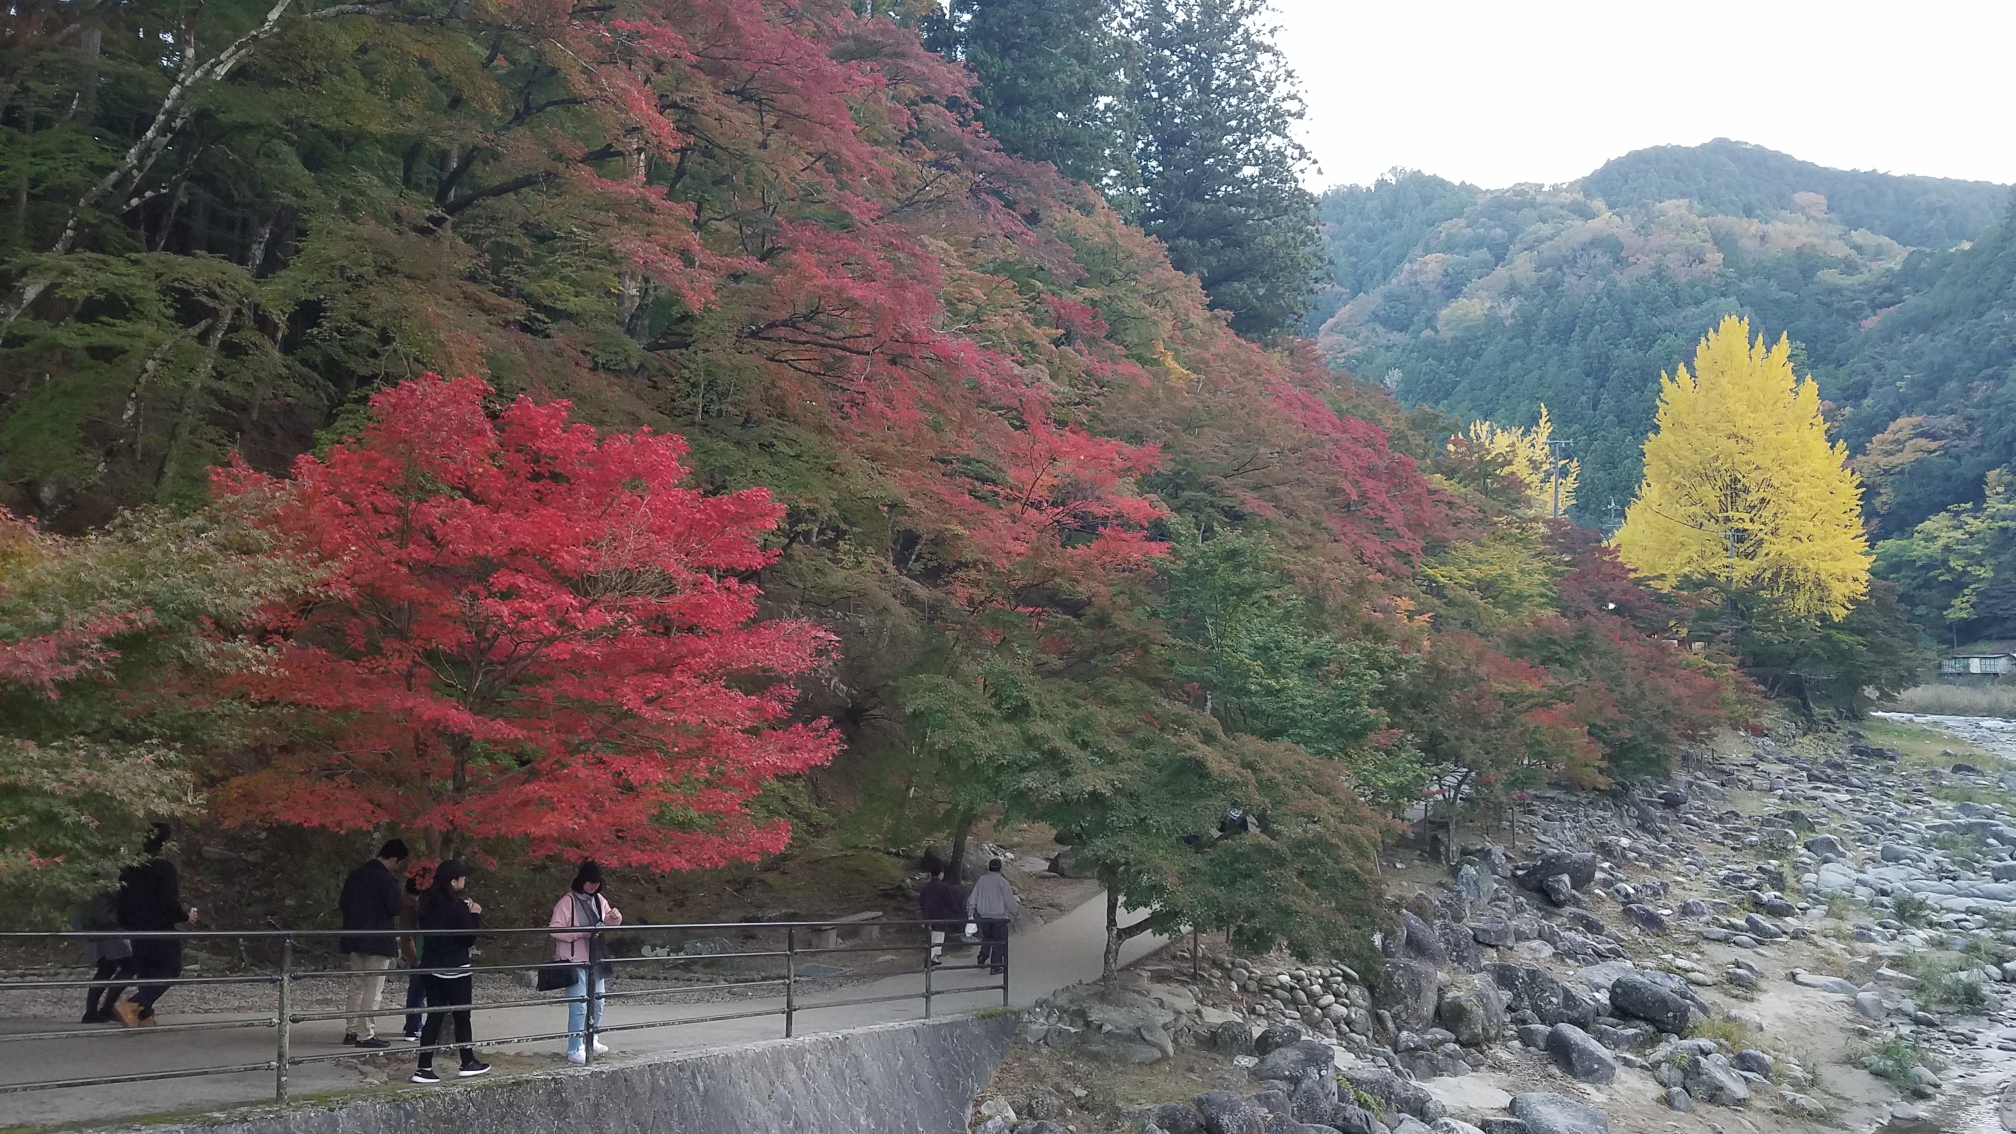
(910, 1078)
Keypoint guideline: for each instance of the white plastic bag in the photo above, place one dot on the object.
(972, 929)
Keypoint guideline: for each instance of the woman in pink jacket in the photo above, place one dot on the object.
(586, 907)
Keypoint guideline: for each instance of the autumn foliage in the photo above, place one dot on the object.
(526, 631)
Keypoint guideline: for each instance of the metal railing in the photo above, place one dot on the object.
(285, 1017)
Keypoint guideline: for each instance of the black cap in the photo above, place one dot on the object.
(393, 848)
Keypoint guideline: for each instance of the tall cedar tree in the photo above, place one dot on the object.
(1742, 486)
(1051, 80)
(528, 631)
(1214, 103)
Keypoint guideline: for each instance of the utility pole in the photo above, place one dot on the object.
(1556, 454)
(1610, 524)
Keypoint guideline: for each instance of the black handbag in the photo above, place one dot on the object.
(558, 975)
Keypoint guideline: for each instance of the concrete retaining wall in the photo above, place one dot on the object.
(910, 1078)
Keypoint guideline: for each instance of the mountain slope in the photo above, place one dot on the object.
(1578, 296)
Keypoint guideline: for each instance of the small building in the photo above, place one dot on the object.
(1989, 661)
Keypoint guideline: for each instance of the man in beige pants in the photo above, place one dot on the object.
(371, 901)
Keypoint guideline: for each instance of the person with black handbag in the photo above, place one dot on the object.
(584, 907)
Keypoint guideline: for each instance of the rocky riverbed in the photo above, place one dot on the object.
(1795, 934)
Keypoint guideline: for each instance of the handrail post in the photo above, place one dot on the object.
(1003, 954)
(790, 977)
(282, 1051)
(928, 967)
(588, 990)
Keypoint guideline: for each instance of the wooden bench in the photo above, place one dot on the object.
(828, 936)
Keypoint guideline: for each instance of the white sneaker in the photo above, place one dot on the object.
(577, 1056)
(601, 1048)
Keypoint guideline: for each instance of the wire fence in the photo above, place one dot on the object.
(801, 940)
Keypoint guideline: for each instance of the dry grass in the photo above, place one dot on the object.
(1958, 700)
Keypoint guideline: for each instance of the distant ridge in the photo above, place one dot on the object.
(1740, 179)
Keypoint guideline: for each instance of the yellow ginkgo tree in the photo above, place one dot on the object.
(1742, 486)
(1529, 455)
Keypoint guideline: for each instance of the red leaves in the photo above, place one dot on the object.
(529, 631)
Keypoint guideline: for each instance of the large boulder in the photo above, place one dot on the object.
(1396, 1094)
(1645, 917)
(1121, 1026)
(1710, 1078)
(1579, 866)
(1226, 1113)
(1635, 996)
(1419, 941)
(1275, 1037)
(1474, 1018)
(1408, 990)
(1349, 1119)
(1303, 1059)
(1458, 945)
(1578, 1054)
(1544, 1112)
(1175, 1118)
(1473, 888)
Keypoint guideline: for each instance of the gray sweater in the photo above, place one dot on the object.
(992, 898)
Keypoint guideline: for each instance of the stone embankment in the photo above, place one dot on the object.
(1808, 935)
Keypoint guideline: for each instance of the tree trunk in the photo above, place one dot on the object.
(1110, 977)
(960, 830)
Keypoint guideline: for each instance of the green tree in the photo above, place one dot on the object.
(110, 647)
(1052, 80)
(1957, 571)
(1214, 105)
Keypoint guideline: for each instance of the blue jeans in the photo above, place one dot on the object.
(577, 1006)
(416, 997)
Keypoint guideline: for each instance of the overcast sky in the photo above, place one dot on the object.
(1496, 92)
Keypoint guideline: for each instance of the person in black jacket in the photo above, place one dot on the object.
(937, 905)
(150, 899)
(370, 900)
(443, 907)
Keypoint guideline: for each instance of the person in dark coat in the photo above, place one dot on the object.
(445, 907)
(150, 899)
(937, 905)
(370, 900)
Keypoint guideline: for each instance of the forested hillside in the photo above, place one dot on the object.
(978, 497)
(1894, 291)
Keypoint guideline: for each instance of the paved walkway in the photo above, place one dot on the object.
(1065, 951)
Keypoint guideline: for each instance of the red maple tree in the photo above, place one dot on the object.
(527, 631)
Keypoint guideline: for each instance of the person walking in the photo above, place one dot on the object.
(150, 900)
(112, 954)
(585, 907)
(936, 905)
(444, 907)
(370, 901)
(992, 904)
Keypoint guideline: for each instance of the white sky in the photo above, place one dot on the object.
(1496, 92)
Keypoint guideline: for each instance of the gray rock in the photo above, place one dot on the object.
(1460, 946)
(1453, 1126)
(1645, 917)
(1275, 1037)
(1895, 852)
(1761, 929)
(1126, 1027)
(1226, 1113)
(1303, 1059)
(1418, 940)
(1176, 1118)
(1411, 1125)
(1313, 1099)
(996, 1126)
(1544, 1112)
(1711, 1079)
(1233, 1037)
(1870, 1004)
(1679, 1099)
(1635, 996)
(1693, 907)
(1273, 1102)
(1495, 932)
(1558, 889)
(1395, 1093)
(1825, 844)
(1579, 1055)
(1474, 1018)
(1044, 1127)
(1409, 991)
(1753, 1061)
(1579, 866)
(1502, 1125)
(1352, 1120)
(1474, 887)
(1534, 1036)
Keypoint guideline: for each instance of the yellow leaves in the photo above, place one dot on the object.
(1742, 485)
(1527, 454)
